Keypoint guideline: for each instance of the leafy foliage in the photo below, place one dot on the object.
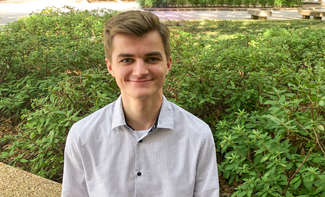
(267, 90)
(264, 94)
(261, 89)
(44, 45)
(42, 58)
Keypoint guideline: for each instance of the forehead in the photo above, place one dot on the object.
(129, 43)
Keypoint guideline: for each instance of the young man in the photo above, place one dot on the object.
(141, 145)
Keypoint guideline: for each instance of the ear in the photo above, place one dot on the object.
(109, 67)
(169, 64)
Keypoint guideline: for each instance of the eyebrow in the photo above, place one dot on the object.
(155, 53)
(125, 55)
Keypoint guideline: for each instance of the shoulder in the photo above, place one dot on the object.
(188, 122)
(101, 118)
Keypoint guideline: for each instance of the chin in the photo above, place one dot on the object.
(145, 96)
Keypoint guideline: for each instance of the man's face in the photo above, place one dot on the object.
(139, 65)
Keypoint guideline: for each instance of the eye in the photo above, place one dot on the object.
(152, 59)
(128, 60)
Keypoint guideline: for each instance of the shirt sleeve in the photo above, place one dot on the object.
(73, 184)
(207, 180)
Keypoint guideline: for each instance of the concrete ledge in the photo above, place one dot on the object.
(15, 182)
(317, 14)
(259, 14)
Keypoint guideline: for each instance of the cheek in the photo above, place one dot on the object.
(122, 74)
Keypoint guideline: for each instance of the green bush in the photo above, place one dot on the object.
(44, 45)
(263, 3)
(141, 3)
(238, 2)
(246, 3)
(183, 2)
(149, 3)
(221, 2)
(270, 3)
(230, 3)
(261, 90)
(265, 86)
(278, 3)
(36, 54)
(195, 2)
(254, 3)
(46, 125)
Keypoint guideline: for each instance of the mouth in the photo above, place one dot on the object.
(140, 81)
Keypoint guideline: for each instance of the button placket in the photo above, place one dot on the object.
(138, 169)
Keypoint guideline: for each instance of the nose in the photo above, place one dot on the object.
(140, 69)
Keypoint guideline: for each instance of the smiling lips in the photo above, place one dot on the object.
(140, 81)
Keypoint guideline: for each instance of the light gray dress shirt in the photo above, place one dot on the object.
(104, 157)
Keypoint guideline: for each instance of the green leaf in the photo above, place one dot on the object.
(23, 160)
(274, 119)
(308, 184)
(238, 103)
(321, 103)
(32, 135)
(232, 85)
(269, 102)
(59, 112)
(270, 172)
(295, 179)
(318, 159)
(226, 174)
(320, 189)
(231, 179)
(320, 127)
(257, 159)
(282, 99)
(297, 184)
(241, 194)
(230, 167)
(249, 193)
(265, 158)
(4, 154)
(288, 194)
(275, 194)
(260, 99)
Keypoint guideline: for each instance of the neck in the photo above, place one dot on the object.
(141, 114)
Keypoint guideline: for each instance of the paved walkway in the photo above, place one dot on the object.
(11, 12)
(15, 182)
(224, 15)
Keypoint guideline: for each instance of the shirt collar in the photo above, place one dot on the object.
(165, 118)
(118, 114)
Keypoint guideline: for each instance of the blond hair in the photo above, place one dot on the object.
(135, 23)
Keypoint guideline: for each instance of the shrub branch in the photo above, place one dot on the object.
(299, 168)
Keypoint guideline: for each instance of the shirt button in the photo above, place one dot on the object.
(139, 173)
(140, 141)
